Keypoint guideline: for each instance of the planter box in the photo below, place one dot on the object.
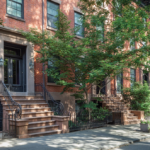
(144, 127)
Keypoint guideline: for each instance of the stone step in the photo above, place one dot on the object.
(130, 114)
(24, 97)
(29, 105)
(39, 118)
(41, 123)
(24, 110)
(116, 105)
(132, 118)
(45, 133)
(42, 129)
(37, 114)
(128, 122)
(24, 101)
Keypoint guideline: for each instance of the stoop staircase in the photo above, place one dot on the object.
(37, 112)
(116, 105)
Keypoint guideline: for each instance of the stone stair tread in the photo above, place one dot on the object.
(25, 99)
(29, 103)
(30, 108)
(37, 117)
(46, 132)
(36, 122)
(36, 112)
(43, 127)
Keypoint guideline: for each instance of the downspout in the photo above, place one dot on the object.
(42, 32)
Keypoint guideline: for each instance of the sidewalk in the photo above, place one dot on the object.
(96, 139)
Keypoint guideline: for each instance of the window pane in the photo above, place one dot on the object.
(14, 5)
(53, 12)
(19, 1)
(132, 76)
(51, 20)
(9, 3)
(53, 6)
(14, 12)
(18, 14)
(18, 7)
(6, 71)
(78, 19)
(80, 30)
(9, 10)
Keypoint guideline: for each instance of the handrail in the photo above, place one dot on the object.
(56, 107)
(8, 98)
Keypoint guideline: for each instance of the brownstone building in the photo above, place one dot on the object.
(21, 72)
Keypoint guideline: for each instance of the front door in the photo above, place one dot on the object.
(12, 73)
(14, 70)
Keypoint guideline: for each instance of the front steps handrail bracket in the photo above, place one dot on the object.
(10, 102)
(56, 107)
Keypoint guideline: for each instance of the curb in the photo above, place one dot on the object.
(127, 143)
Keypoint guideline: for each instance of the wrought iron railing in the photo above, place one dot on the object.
(15, 108)
(56, 106)
(82, 120)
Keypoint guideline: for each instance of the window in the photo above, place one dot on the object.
(15, 8)
(132, 76)
(52, 14)
(79, 24)
(78, 76)
(144, 22)
(101, 32)
(119, 82)
(132, 44)
(145, 78)
(51, 66)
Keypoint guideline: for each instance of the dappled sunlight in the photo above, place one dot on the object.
(107, 137)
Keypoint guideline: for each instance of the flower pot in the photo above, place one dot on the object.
(144, 127)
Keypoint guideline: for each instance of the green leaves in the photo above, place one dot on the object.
(89, 60)
(139, 95)
(1, 21)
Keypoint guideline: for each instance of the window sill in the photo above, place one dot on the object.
(16, 18)
(50, 28)
(79, 37)
(53, 84)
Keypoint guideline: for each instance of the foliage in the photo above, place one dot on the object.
(145, 122)
(139, 96)
(94, 58)
(1, 21)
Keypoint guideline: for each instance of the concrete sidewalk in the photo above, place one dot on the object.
(96, 139)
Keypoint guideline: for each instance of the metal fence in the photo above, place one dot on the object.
(85, 120)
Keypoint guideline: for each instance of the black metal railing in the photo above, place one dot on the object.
(56, 106)
(15, 108)
(84, 120)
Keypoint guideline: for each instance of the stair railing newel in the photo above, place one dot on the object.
(56, 107)
(13, 106)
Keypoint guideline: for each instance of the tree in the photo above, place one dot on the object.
(94, 58)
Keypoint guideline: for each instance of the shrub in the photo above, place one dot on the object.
(138, 96)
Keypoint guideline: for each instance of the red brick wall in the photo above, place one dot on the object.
(33, 18)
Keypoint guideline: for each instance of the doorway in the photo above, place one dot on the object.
(15, 67)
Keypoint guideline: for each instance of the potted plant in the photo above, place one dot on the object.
(144, 125)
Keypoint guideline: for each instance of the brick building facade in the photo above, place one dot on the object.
(26, 14)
